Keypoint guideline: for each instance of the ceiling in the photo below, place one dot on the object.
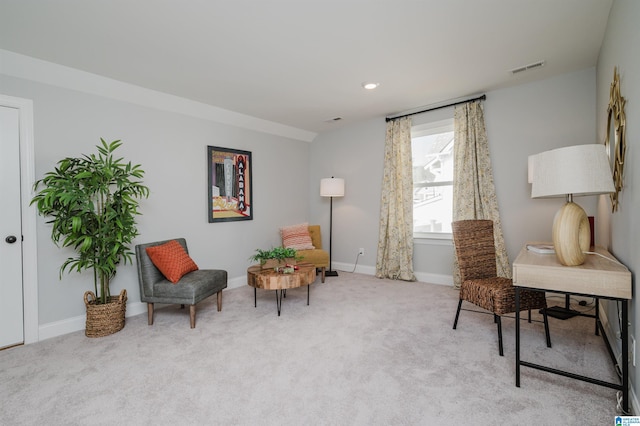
(301, 63)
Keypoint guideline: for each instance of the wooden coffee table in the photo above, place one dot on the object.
(268, 279)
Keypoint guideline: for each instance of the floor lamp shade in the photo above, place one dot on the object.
(567, 172)
(331, 187)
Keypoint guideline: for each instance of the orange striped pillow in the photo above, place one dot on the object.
(297, 237)
(172, 260)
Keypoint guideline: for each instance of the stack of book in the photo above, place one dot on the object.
(541, 248)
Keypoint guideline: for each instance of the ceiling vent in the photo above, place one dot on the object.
(527, 67)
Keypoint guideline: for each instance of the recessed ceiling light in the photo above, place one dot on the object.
(370, 86)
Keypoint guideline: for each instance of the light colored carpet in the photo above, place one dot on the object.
(365, 352)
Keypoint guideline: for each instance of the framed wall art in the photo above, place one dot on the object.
(615, 142)
(230, 189)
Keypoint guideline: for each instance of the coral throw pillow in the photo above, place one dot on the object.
(297, 237)
(172, 260)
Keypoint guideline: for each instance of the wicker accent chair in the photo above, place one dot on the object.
(480, 285)
(189, 290)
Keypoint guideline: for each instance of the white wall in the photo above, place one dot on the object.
(354, 153)
(521, 121)
(171, 148)
(621, 229)
(530, 119)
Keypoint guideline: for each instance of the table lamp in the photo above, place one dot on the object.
(568, 172)
(331, 187)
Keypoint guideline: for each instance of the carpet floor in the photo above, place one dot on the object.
(364, 352)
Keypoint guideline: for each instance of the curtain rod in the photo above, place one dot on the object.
(479, 98)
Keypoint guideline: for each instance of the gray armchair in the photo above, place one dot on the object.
(189, 290)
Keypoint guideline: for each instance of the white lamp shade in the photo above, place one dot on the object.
(332, 187)
(576, 170)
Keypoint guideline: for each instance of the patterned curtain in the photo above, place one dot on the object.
(474, 193)
(395, 240)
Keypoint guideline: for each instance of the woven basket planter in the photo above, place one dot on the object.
(107, 318)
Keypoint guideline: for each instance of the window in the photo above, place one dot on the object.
(432, 158)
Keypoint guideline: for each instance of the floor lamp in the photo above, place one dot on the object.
(568, 172)
(331, 187)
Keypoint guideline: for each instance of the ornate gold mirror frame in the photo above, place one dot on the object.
(616, 150)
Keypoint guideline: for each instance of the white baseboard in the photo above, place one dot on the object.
(435, 278)
(420, 276)
(237, 282)
(78, 323)
(616, 346)
(348, 267)
(70, 325)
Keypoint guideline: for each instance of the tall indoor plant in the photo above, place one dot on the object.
(92, 203)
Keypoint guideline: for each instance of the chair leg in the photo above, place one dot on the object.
(150, 313)
(546, 328)
(497, 319)
(597, 316)
(529, 315)
(220, 300)
(192, 315)
(455, 322)
(322, 276)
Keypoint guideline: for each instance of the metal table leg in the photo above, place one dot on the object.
(517, 336)
(625, 356)
(279, 300)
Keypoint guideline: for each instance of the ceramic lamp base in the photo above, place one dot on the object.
(571, 234)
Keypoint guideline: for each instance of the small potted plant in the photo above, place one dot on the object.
(276, 257)
(91, 204)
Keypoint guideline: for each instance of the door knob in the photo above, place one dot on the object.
(11, 239)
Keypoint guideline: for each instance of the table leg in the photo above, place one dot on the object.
(517, 337)
(625, 357)
(597, 316)
(255, 298)
(308, 285)
(279, 301)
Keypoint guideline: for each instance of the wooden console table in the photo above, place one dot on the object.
(600, 276)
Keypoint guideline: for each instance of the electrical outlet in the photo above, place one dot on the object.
(361, 251)
(633, 350)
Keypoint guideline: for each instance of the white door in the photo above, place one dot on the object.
(11, 286)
